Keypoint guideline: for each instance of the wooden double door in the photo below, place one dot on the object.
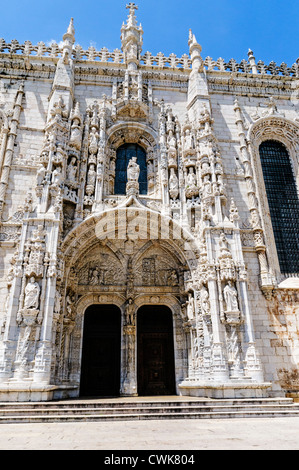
(101, 354)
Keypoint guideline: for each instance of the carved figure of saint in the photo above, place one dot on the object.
(191, 178)
(173, 278)
(32, 291)
(173, 181)
(188, 140)
(205, 304)
(93, 140)
(130, 312)
(190, 307)
(72, 170)
(94, 278)
(76, 134)
(133, 170)
(57, 176)
(40, 175)
(91, 176)
(231, 297)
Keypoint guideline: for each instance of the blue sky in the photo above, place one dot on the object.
(224, 28)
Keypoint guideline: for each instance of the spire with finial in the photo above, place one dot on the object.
(68, 42)
(195, 50)
(70, 34)
(131, 37)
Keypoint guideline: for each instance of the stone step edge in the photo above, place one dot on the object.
(208, 415)
(184, 409)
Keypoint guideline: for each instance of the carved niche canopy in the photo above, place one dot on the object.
(131, 133)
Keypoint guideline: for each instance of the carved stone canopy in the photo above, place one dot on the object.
(131, 133)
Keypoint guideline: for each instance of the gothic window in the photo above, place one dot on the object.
(283, 202)
(123, 156)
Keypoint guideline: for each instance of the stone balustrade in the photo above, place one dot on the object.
(159, 61)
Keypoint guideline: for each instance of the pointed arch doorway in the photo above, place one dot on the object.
(155, 351)
(101, 351)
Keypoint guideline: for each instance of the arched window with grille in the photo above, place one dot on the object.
(123, 155)
(282, 194)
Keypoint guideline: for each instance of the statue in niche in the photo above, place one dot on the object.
(172, 148)
(76, 134)
(57, 176)
(93, 140)
(207, 186)
(133, 170)
(188, 140)
(223, 244)
(173, 184)
(32, 292)
(191, 187)
(190, 307)
(231, 297)
(41, 174)
(205, 303)
(72, 170)
(205, 167)
(91, 175)
(57, 304)
(69, 306)
(191, 178)
(129, 312)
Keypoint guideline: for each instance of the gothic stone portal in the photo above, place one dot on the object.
(128, 337)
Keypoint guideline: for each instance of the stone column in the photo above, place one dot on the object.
(129, 367)
(10, 146)
(129, 373)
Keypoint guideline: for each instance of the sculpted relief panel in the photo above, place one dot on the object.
(101, 267)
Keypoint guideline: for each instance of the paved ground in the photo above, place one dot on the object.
(199, 434)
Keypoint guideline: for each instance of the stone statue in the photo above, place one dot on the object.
(91, 175)
(57, 176)
(72, 170)
(76, 134)
(231, 297)
(40, 175)
(190, 307)
(173, 184)
(32, 292)
(133, 170)
(130, 312)
(205, 304)
(191, 178)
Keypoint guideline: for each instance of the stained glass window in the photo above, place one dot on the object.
(282, 194)
(123, 156)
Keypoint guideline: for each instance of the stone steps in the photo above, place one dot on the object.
(136, 409)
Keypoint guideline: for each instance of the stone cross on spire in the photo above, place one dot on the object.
(132, 7)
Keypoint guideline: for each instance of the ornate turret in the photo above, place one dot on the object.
(68, 41)
(195, 50)
(131, 38)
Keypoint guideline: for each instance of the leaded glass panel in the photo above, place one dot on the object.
(283, 202)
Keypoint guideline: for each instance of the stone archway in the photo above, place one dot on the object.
(128, 273)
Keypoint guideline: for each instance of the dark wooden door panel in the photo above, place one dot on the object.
(155, 352)
(100, 371)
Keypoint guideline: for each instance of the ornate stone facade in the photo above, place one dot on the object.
(199, 242)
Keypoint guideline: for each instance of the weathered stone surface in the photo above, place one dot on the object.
(199, 240)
